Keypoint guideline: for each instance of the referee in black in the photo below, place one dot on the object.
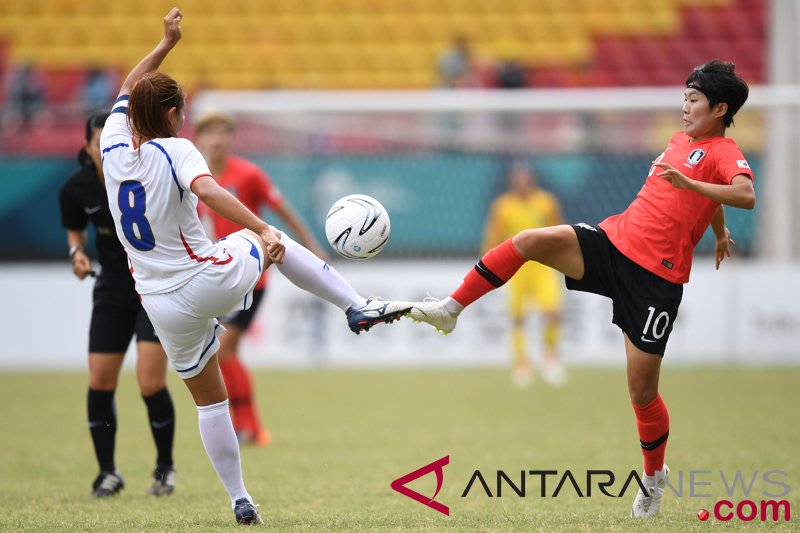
(116, 315)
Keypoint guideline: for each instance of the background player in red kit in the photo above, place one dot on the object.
(641, 257)
(214, 134)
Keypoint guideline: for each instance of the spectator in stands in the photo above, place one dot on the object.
(98, 92)
(214, 136)
(26, 95)
(456, 65)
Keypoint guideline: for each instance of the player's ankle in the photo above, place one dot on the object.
(452, 306)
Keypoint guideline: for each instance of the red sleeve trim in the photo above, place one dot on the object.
(198, 176)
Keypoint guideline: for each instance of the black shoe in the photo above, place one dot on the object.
(107, 484)
(163, 481)
(246, 513)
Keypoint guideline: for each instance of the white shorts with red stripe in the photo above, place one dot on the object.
(185, 319)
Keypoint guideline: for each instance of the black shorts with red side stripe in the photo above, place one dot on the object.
(645, 305)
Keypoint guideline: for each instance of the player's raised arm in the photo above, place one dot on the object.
(151, 62)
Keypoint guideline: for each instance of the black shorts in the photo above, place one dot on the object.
(645, 305)
(118, 314)
(243, 319)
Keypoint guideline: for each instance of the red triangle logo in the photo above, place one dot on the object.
(437, 466)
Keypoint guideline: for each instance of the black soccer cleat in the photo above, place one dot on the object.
(107, 484)
(375, 312)
(246, 513)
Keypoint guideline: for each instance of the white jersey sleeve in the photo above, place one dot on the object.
(189, 163)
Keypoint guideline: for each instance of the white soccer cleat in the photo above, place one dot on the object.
(554, 373)
(431, 311)
(647, 505)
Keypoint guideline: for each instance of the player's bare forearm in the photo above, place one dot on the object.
(76, 238)
(718, 222)
(151, 62)
(739, 193)
(226, 205)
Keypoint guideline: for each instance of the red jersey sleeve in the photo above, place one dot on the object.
(267, 193)
(731, 162)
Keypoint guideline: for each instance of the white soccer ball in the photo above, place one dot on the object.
(357, 226)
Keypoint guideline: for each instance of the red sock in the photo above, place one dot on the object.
(248, 408)
(652, 420)
(491, 272)
(230, 375)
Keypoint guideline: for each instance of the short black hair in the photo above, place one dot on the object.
(719, 82)
(95, 121)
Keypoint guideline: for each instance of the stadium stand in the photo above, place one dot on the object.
(371, 44)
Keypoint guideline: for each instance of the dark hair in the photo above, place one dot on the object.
(150, 99)
(718, 81)
(96, 121)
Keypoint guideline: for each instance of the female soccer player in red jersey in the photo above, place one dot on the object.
(214, 134)
(642, 257)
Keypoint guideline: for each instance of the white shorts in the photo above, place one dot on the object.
(186, 319)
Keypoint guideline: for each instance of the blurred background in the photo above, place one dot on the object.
(425, 106)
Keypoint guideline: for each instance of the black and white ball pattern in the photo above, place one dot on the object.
(357, 227)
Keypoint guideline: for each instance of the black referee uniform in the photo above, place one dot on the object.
(117, 314)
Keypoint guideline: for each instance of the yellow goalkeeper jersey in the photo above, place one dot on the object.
(511, 214)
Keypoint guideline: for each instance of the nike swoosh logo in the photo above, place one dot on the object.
(647, 340)
(92, 210)
(159, 425)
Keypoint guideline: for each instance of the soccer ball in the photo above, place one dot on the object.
(357, 226)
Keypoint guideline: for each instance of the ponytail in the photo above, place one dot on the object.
(151, 98)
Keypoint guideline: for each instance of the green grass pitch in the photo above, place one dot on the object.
(341, 437)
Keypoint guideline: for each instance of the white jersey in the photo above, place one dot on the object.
(153, 206)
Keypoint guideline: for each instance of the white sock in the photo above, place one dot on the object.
(314, 275)
(452, 306)
(648, 481)
(219, 440)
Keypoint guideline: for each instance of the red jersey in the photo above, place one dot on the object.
(660, 229)
(247, 182)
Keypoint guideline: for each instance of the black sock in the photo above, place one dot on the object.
(103, 426)
(162, 421)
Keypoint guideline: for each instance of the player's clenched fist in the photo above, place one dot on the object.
(172, 28)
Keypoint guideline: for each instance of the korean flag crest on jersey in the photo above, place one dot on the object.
(696, 156)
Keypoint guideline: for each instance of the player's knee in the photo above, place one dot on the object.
(148, 388)
(642, 393)
(533, 244)
(102, 382)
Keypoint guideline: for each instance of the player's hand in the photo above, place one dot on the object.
(275, 249)
(81, 265)
(172, 28)
(723, 247)
(674, 176)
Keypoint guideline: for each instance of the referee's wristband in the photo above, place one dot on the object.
(74, 250)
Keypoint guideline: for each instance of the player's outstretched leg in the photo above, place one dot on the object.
(556, 247)
(491, 272)
(314, 275)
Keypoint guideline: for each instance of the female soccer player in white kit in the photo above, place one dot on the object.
(153, 181)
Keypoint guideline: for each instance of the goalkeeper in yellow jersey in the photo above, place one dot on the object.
(524, 205)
